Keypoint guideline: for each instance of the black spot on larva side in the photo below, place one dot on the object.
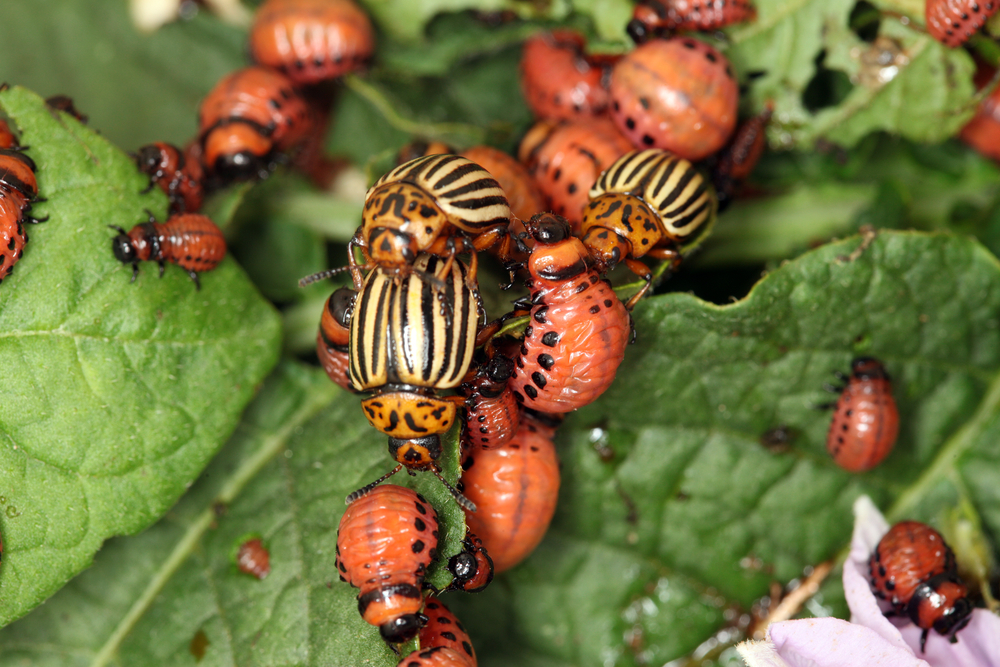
(530, 391)
(630, 123)
(595, 309)
(647, 140)
(546, 361)
(417, 546)
(419, 524)
(421, 508)
(550, 339)
(608, 303)
(539, 379)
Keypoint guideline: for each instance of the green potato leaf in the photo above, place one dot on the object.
(115, 395)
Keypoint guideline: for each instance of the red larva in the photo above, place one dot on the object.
(249, 120)
(7, 139)
(253, 558)
(385, 542)
(679, 94)
(515, 488)
(444, 629)
(471, 568)
(914, 569)
(439, 656)
(311, 40)
(558, 80)
(738, 159)
(190, 240)
(566, 159)
(952, 22)
(179, 177)
(491, 409)
(656, 16)
(578, 329)
(333, 339)
(983, 131)
(18, 191)
(865, 422)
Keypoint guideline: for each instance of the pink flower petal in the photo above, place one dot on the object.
(978, 643)
(831, 642)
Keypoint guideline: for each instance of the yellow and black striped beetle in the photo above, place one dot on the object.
(410, 339)
(649, 202)
(438, 204)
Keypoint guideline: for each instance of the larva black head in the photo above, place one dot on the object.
(549, 228)
(638, 31)
(240, 166)
(122, 246)
(462, 566)
(868, 368)
(401, 629)
(149, 158)
(500, 369)
(341, 305)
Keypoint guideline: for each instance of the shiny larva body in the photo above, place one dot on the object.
(253, 558)
(441, 204)
(953, 22)
(444, 629)
(578, 331)
(249, 120)
(491, 408)
(7, 138)
(471, 568)
(333, 338)
(386, 540)
(565, 160)
(737, 160)
(678, 94)
(982, 132)
(652, 17)
(190, 240)
(18, 191)
(649, 202)
(558, 80)
(170, 169)
(515, 488)
(865, 421)
(438, 656)
(914, 569)
(311, 40)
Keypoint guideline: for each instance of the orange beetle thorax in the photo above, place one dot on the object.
(399, 220)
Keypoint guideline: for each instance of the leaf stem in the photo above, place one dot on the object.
(316, 401)
(944, 464)
(440, 131)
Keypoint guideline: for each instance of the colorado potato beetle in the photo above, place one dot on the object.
(914, 569)
(953, 22)
(253, 558)
(190, 240)
(333, 339)
(515, 488)
(576, 337)
(651, 17)
(865, 420)
(248, 121)
(565, 160)
(173, 172)
(679, 94)
(407, 341)
(311, 40)
(440, 204)
(386, 540)
(444, 629)
(472, 567)
(18, 191)
(558, 80)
